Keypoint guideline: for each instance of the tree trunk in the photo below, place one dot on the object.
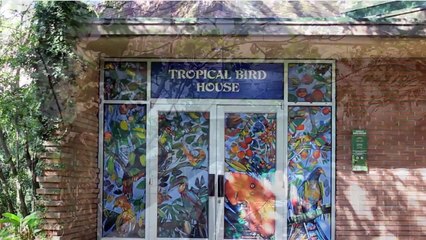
(6, 190)
(22, 205)
(31, 164)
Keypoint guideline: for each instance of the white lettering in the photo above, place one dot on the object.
(172, 73)
(190, 74)
(262, 74)
(239, 74)
(200, 87)
(218, 87)
(200, 73)
(216, 74)
(181, 74)
(235, 87)
(210, 87)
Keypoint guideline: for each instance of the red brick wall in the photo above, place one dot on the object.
(388, 98)
(69, 183)
(385, 96)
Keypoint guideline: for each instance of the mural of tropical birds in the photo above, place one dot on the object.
(182, 174)
(309, 168)
(124, 170)
(250, 158)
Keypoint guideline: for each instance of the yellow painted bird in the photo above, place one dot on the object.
(126, 221)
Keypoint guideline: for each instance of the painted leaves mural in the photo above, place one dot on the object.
(309, 173)
(250, 162)
(309, 82)
(125, 81)
(124, 178)
(183, 174)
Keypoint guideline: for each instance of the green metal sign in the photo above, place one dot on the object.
(359, 150)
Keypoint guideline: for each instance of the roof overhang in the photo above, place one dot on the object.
(253, 27)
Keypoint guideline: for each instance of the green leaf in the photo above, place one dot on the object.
(141, 185)
(110, 166)
(292, 128)
(134, 172)
(190, 139)
(142, 160)
(319, 78)
(161, 213)
(298, 121)
(319, 142)
(292, 98)
(12, 218)
(132, 157)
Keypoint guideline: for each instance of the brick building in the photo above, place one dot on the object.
(225, 120)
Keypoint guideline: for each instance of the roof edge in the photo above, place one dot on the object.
(256, 29)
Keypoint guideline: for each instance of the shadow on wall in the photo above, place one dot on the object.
(385, 96)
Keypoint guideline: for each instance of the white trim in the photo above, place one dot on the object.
(307, 104)
(203, 102)
(213, 161)
(276, 186)
(154, 159)
(152, 171)
(333, 153)
(100, 150)
(125, 101)
(281, 176)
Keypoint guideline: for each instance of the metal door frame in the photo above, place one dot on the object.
(191, 103)
(280, 184)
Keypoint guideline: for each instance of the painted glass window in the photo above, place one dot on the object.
(183, 140)
(309, 172)
(124, 178)
(250, 163)
(125, 81)
(246, 205)
(309, 82)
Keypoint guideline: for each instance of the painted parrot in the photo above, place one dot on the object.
(311, 191)
(310, 194)
(258, 199)
(192, 203)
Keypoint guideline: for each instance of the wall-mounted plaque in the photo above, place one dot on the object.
(359, 150)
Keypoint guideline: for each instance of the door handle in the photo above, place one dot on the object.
(220, 185)
(211, 185)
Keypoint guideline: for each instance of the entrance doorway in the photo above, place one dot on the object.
(220, 172)
(180, 161)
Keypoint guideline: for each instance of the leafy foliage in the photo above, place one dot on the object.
(37, 56)
(18, 227)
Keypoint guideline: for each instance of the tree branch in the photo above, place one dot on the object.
(50, 80)
(9, 160)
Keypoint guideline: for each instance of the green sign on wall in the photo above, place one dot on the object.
(359, 150)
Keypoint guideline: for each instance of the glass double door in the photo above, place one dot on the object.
(219, 172)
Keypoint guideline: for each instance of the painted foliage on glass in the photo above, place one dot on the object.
(183, 141)
(309, 173)
(309, 82)
(250, 162)
(125, 81)
(124, 181)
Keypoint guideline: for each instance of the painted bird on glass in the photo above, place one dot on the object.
(310, 194)
(126, 220)
(311, 191)
(193, 205)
